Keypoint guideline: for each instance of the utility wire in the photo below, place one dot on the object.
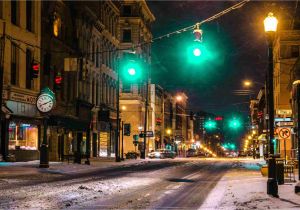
(234, 7)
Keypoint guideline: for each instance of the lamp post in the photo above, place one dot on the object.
(270, 25)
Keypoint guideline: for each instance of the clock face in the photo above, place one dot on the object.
(45, 103)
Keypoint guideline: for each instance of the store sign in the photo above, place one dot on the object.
(22, 98)
(148, 134)
(284, 112)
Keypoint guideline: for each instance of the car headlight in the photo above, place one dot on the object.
(157, 154)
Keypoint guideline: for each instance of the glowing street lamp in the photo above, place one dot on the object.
(179, 98)
(270, 25)
(247, 83)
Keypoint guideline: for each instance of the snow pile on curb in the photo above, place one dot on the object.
(245, 188)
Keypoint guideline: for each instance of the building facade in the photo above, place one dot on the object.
(135, 38)
(286, 52)
(81, 45)
(21, 124)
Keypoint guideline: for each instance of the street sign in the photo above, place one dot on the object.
(148, 134)
(284, 133)
(284, 124)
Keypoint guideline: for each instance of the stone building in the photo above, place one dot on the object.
(286, 51)
(80, 42)
(21, 26)
(135, 36)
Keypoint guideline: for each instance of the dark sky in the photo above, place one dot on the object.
(236, 42)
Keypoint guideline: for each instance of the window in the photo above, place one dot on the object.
(23, 136)
(14, 9)
(294, 51)
(127, 10)
(14, 66)
(29, 17)
(28, 68)
(127, 35)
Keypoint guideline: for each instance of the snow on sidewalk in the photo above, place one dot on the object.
(245, 188)
(31, 167)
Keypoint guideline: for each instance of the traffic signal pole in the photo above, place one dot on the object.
(145, 120)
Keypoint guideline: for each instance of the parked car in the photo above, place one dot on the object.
(131, 155)
(162, 153)
(191, 153)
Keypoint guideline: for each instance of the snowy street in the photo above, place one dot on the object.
(150, 184)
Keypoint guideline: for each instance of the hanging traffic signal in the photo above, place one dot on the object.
(58, 81)
(127, 129)
(210, 124)
(131, 68)
(235, 123)
(35, 68)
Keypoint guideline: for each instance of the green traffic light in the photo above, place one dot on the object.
(131, 68)
(197, 52)
(210, 124)
(234, 124)
(131, 71)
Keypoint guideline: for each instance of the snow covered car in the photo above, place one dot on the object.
(162, 153)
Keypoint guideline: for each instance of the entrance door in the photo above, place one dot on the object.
(94, 145)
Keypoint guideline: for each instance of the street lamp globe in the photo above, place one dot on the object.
(270, 23)
(247, 83)
(179, 98)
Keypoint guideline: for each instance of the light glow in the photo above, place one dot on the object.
(270, 23)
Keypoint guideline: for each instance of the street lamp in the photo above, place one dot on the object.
(270, 24)
(247, 83)
(179, 98)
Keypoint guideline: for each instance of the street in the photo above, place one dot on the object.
(153, 184)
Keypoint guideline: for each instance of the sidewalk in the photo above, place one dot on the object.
(32, 167)
(245, 188)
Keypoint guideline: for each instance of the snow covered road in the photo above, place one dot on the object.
(155, 184)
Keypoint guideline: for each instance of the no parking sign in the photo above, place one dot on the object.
(284, 133)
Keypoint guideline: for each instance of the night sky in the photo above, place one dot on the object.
(236, 46)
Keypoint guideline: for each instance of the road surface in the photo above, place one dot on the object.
(156, 184)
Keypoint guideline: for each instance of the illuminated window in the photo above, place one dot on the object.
(23, 136)
(56, 26)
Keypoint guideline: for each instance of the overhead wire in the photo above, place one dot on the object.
(234, 7)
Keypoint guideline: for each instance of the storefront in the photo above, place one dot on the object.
(106, 127)
(23, 140)
(23, 128)
(68, 136)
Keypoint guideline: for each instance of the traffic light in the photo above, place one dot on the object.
(210, 124)
(58, 81)
(235, 123)
(127, 129)
(35, 69)
(131, 68)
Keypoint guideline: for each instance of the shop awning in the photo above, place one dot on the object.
(69, 123)
(6, 110)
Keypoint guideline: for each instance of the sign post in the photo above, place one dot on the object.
(284, 133)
